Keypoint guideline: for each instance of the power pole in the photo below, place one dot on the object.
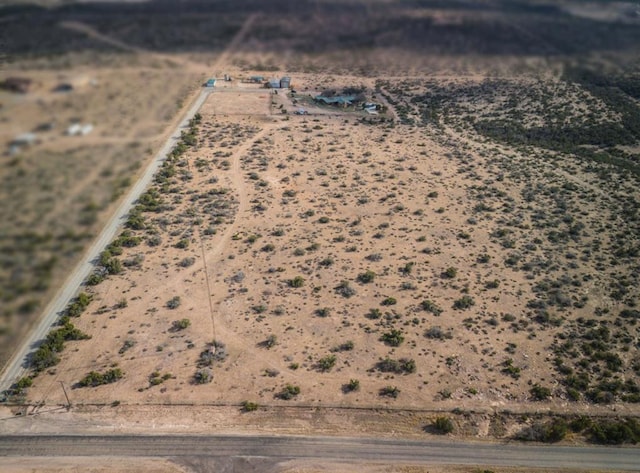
(65, 395)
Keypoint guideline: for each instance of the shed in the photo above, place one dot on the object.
(25, 139)
(274, 83)
(210, 83)
(285, 82)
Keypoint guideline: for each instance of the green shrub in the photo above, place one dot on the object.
(94, 378)
(288, 392)
(430, 306)
(351, 386)
(540, 393)
(366, 277)
(393, 338)
(465, 302)
(296, 282)
(390, 391)
(203, 376)
(615, 432)
(387, 301)
(403, 365)
(443, 425)
(327, 362)
(181, 324)
(174, 302)
(549, 432)
(248, 406)
(450, 273)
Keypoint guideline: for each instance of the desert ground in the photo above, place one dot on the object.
(468, 255)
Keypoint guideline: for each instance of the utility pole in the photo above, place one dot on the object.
(65, 395)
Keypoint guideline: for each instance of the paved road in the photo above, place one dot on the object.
(15, 368)
(326, 448)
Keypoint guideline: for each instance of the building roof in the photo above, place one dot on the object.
(338, 99)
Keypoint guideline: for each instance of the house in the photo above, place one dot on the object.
(25, 139)
(210, 83)
(341, 100)
(19, 85)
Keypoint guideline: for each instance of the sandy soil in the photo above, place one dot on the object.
(325, 198)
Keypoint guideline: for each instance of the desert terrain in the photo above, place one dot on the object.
(464, 261)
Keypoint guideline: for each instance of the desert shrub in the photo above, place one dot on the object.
(95, 278)
(327, 362)
(345, 290)
(126, 346)
(346, 346)
(182, 243)
(374, 314)
(465, 302)
(288, 392)
(540, 393)
(436, 333)
(154, 240)
(270, 342)
(19, 387)
(78, 305)
(483, 258)
(387, 301)
(323, 312)
(93, 378)
(186, 262)
(509, 369)
(450, 273)
(549, 432)
(392, 338)
(494, 284)
(390, 391)
(181, 324)
(248, 406)
(366, 277)
(615, 432)
(443, 425)
(296, 282)
(430, 306)
(203, 376)
(351, 386)
(174, 302)
(403, 365)
(326, 262)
